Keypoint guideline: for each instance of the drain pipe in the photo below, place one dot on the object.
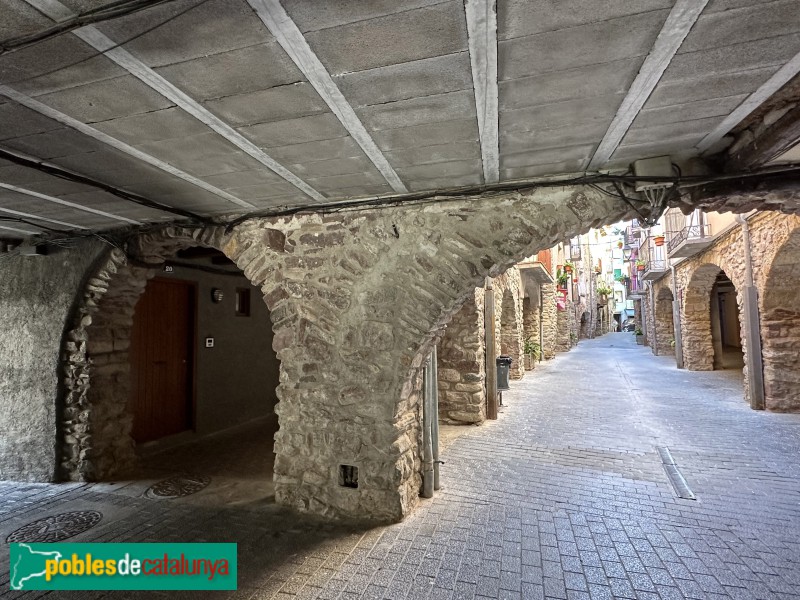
(427, 442)
(434, 404)
(755, 367)
(676, 321)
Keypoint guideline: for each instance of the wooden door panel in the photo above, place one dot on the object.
(162, 344)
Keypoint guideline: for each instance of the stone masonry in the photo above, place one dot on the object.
(549, 321)
(508, 317)
(356, 300)
(774, 251)
(462, 365)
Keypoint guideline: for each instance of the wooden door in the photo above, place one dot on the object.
(162, 358)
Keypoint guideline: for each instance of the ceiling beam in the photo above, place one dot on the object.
(291, 39)
(98, 135)
(482, 31)
(752, 102)
(18, 230)
(99, 41)
(679, 22)
(54, 200)
(38, 218)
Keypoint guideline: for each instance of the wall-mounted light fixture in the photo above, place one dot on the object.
(216, 295)
(626, 254)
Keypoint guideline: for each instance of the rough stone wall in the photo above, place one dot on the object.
(549, 321)
(508, 319)
(531, 319)
(565, 322)
(36, 296)
(357, 300)
(462, 365)
(776, 255)
(664, 331)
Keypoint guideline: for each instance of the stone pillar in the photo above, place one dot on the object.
(565, 319)
(549, 321)
(462, 371)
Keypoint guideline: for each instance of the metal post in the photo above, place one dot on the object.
(435, 416)
(676, 321)
(491, 351)
(427, 448)
(752, 328)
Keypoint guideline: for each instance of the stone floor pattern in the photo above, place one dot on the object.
(564, 496)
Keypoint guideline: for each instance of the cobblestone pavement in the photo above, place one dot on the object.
(565, 496)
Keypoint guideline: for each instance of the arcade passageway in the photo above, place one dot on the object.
(564, 496)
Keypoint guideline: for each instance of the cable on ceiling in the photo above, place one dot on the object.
(95, 54)
(120, 193)
(112, 10)
(515, 186)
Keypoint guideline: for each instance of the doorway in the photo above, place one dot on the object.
(162, 360)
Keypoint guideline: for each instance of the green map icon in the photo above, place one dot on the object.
(28, 564)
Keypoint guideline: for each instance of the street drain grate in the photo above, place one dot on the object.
(177, 487)
(56, 528)
(682, 489)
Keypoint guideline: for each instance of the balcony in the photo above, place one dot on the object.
(574, 251)
(538, 267)
(654, 269)
(689, 241)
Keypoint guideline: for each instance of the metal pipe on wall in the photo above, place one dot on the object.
(752, 323)
(427, 446)
(491, 351)
(676, 321)
(435, 416)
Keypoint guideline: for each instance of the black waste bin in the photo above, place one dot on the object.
(503, 369)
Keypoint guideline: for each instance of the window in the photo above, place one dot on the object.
(242, 302)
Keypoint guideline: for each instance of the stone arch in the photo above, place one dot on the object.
(701, 345)
(780, 327)
(664, 324)
(508, 314)
(95, 425)
(462, 365)
(357, 300)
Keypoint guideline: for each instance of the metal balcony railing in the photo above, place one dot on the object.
(689, 232)
(574, 251)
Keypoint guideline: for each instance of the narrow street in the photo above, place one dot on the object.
(565, 496)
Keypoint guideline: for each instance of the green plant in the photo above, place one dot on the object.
(638, 331)
(672, 342)
(640, 262)
(569, 267)
(562, 278)
(604, 289)
(532, 348)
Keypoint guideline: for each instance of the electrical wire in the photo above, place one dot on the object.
(95, 54)
(76, 178)
(113, 10)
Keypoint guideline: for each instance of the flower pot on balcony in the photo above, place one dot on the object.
(619, 245)
(568, 268)
(640, 267)
(658, 240)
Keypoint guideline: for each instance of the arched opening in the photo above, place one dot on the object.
(203, 376)
(665, 327)
(711, 329)
(170, 369)
(461, 363)
(510, 333)
(780, 327)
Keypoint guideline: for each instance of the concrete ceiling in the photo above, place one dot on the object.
(229, 106)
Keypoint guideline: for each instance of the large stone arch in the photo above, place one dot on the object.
(357, 300)
(696, 323)
(95, 425)
(508, 315)
(664, 331)
(462, 365)
(780, 326)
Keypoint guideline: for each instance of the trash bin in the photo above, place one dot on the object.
(503, 368)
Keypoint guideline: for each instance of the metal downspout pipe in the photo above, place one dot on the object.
(752, 328)
(427, 441)
(676, 321)
(435, 416)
